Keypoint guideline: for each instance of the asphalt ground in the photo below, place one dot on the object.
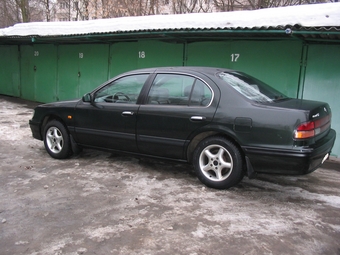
(101, 203)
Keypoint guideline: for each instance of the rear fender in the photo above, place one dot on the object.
(209, 131)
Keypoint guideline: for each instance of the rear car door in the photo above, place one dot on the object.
(177, 105)
(109, 120)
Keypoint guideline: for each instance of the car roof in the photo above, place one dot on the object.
(198, 69)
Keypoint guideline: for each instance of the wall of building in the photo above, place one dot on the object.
(48, 72)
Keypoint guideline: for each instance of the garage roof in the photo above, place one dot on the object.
(318, 21)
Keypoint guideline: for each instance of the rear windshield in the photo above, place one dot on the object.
(251, 88)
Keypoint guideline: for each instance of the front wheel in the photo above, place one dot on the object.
(57, 140)
(218, 163)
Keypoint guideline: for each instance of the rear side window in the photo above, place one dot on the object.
(177, 89)
(251, 88)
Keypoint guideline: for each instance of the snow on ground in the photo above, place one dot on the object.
(101, 203)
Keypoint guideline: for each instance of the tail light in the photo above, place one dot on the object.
(312, 128)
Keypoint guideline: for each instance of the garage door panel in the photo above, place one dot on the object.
(322, 81)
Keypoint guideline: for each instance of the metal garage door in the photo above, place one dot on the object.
(38, 72)
(81, 68)
(322, 81)
(275, 62)
(9, 71)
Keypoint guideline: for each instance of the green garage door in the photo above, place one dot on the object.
(214, 54)
(93, 66)
(322, 81)
(45, 71)
(9, 71)
(275, 62)
(128, 56)
(38, 72)
(156, 53)
(68, 58)
(123, 57)
(81, 68)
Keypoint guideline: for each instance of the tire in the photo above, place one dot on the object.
(218, 163)
(57, 140)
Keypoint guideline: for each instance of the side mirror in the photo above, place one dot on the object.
(87, 98)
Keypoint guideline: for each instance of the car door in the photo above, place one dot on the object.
(108, 120)
(176, 106)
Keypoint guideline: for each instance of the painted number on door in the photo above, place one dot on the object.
(234, 57)
(36, 53)
(141, 54)
(81, 55)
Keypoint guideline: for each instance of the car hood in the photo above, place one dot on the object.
(61, 104)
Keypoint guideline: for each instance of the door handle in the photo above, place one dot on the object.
(197, 118)
(127, 113)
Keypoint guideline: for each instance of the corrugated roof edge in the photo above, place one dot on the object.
(303, 17)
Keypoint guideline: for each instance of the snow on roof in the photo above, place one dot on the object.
(314, 15)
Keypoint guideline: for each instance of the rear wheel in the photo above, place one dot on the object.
(218, 163)
(57, 140)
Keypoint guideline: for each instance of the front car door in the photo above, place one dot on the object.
(177, 105)
(109, 120)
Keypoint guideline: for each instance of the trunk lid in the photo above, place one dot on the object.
(318, 118)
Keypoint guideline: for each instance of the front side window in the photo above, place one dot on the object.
(251, 88)
(123, 90)
(176, 89)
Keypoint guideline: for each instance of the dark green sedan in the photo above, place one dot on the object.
(224, 122)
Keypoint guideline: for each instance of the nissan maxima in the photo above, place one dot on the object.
(225, 123)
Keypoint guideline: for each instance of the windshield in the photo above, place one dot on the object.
(251, 88)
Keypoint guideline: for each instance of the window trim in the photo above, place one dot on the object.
(180, 73)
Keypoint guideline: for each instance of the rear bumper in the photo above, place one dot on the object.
(296, 161)
(35, 128)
